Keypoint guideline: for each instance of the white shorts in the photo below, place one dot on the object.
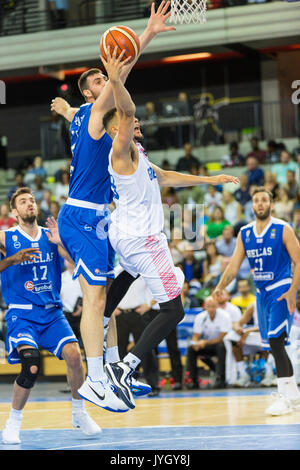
(151, 258)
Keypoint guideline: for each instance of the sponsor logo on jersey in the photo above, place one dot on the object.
(24, 334)
(17, 245)
(14, 238)
(29, 285)
(88, 228)
(267, 276)
(247, 236)
(259, 240)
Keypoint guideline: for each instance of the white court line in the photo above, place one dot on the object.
(174, 439)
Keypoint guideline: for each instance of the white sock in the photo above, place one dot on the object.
(288, 388)
(112, 354)
(77, 405)
(241, 367)
(132, 360)
(95, 368)
(15, 415)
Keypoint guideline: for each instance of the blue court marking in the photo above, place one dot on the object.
(253, 437)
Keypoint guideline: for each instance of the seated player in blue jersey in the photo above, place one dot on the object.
(30, 284)
(271, 247)
(84, 219)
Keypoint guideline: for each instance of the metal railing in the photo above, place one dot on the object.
(26, 16)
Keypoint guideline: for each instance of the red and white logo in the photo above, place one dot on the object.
(29, 285)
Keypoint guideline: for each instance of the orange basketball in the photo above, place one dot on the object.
(124, 38)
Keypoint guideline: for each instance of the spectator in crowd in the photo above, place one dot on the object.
(254, 173)
(234, 158)
(209, 330)
(66, 167)
(166, 165)
(295, 224)
(291, 184)
(58, 13)
(215, 225)
(212, 198)
(169, 196)
(183, 104)
(271, 183)
(256, 152)
(242, 194)
(188, 160)
(284, 206)
(6, 221)
(192, 268)
(71, 296)
(37, 169)
(225, 303)
(226, 244)
(62, 188)
(273, 154)
(248, 211)
(212, 265)
(191, 196)
(232, 208)
(19, 183)
(296, 150)
(177, 245)
(45, 203)
(188, 301)
(244, 296)
(281, 169)
(38, 188)
(54, 209)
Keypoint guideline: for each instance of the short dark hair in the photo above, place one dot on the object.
(262, 189)
(17, 194)
(82, 81)
(108, 117)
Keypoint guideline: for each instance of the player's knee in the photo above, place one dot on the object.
(71, 354)
(30, 361)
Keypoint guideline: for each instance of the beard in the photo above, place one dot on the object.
(30, 219)
(264, 215)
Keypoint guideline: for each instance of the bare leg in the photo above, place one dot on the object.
(75, 371)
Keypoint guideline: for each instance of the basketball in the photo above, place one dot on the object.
(124, 38)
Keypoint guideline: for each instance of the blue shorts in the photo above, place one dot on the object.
(274, 317)
(38, 326)
(83, 233)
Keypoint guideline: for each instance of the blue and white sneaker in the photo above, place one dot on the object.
(139, 389)
(101, 393)
(120, 376)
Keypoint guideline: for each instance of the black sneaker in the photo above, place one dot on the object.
(119, 374)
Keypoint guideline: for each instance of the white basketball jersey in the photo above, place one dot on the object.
(139, 211)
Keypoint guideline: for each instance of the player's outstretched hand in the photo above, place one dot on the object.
(60, 106)
(157, 20)
(290, 300)
(226, 179)
(114, 64)
(27, 254)
(53, 234)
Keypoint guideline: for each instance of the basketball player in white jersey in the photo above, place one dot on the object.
(136, 229)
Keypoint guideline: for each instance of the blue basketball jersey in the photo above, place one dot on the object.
(35, 282)
(89, 176)
(268, 258)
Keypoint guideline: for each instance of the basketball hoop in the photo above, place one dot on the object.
(188, 11)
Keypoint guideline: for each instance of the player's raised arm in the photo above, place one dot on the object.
(156, 25)
(124, 105)
(175, 179)
(292, 245)
(232, 269)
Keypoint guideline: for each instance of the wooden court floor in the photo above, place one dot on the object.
(186, 420)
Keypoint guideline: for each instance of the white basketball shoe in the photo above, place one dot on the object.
(11, 432)
(280, 406)
(101, 394)
(80, 419)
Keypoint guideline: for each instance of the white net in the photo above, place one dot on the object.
(188, 11)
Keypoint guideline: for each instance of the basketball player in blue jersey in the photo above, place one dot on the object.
(84, 218)
(137, 224)
(30, 285)
(271, 247)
